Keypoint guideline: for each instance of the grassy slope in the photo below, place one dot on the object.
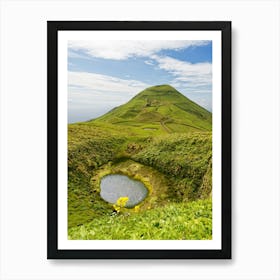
(175, 221)
(177, 144)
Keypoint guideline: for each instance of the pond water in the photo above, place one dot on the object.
(115, 186)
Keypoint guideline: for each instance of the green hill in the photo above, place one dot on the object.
(160, 108)
(159, 137)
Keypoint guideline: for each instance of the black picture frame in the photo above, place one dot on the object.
(53, 27)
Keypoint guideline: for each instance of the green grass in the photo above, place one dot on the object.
(184, 158)
(160, 138)
(179, 221)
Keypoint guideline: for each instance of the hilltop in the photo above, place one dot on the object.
(160, 108)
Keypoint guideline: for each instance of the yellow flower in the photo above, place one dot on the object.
(136, 208)
(122, 201)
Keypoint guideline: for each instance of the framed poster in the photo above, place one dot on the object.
(139, 140)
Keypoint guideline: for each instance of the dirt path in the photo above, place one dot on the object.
(165, 127)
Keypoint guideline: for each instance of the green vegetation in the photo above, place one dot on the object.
(181, 221)
(159, 137)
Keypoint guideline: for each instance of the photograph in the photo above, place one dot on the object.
(140, 139)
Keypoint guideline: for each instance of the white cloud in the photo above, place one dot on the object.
(103, 83)
(91, 95)
(149, 62)
(120, 50)
(74, 54)
(194, 74)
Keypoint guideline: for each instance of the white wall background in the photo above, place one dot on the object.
(256, 142)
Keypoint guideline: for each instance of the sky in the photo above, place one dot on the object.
(106, 74)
